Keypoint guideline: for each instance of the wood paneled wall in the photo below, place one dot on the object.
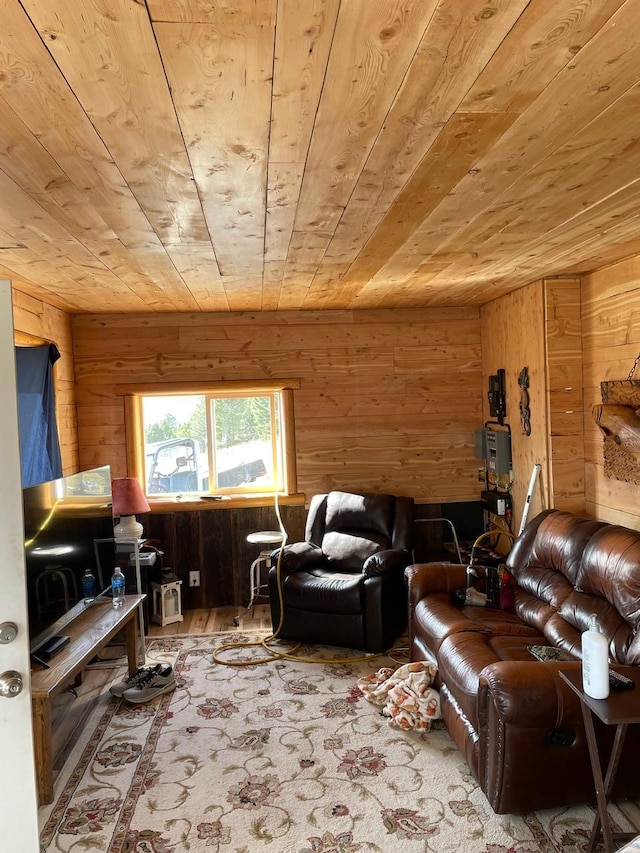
(35, 322)
(389, 399)
(538, 327)
(611, 342)
(563, 338)
(512, 338)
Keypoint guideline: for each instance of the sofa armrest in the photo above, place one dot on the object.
(532, 751)
(529, 693)
(427, 578)
(391, 560)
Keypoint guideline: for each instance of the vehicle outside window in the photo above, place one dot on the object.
(209, 443)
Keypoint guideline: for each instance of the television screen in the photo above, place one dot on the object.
(66, 524)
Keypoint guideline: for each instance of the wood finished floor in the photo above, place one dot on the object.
(214, 620)
(72, 708)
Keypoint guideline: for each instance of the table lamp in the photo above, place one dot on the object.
(127, 499)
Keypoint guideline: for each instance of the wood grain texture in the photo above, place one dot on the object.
(540, 327)
(88, 633)
(611, 343)
(385, 402)
(260, 155)
(513, 336)
(563, 336)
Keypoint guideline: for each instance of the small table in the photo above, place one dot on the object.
(620, 709)
(88, 633)
(270, 538)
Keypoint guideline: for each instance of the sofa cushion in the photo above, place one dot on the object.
(437, 617)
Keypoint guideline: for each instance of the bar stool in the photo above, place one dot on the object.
(268, 540)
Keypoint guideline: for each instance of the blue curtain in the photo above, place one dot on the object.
(39, 444)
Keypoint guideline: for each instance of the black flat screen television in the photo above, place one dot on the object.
(64, 523)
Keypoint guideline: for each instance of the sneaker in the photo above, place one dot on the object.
(151, 685)
(119, 687)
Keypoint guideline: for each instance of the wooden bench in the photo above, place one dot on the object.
(88, 634)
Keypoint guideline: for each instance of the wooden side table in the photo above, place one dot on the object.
(89, 632)
(621, 709)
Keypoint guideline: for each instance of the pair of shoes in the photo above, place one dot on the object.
(119, 688)
(153, 684)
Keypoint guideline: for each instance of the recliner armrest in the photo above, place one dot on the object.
(391, 560)
(298, 556)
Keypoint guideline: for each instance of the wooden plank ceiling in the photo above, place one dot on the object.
(228, 155)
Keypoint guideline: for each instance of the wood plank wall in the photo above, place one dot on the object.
(563, 337)
(389, 399)
(36, 322)
(611, 342)
(538, 326)
(513, 337)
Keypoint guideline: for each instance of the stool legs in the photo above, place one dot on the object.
(264, 557)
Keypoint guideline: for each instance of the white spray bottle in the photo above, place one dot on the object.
(595, 662)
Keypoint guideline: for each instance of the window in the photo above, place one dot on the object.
(231, 440)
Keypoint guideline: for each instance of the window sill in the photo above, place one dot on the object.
(193, 504)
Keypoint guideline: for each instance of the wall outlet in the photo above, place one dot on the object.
(194, 578)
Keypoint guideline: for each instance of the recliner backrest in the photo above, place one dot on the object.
(350, 527)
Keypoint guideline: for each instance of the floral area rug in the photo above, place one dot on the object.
(283, 757)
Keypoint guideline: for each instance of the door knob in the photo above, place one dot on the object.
(10, 684)
(8, 632)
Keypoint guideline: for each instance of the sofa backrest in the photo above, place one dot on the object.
(545, 562)
(608, 585)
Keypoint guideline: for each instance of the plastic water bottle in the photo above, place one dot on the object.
(595, 662)
(88, 587)
(117, 587)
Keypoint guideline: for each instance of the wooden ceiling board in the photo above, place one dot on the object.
(594, 165)
(303, 41)
(547, 36)
(224, 118)
(458, 42)
(52, 151)
(460, 144)
(107, 52)
(379, 40)
(240, 12)
(260, 155)
(598, 74)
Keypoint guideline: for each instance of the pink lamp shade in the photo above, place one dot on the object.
(127, 499)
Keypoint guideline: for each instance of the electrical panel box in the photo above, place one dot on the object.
(494, 446)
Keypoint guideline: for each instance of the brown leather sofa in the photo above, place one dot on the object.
(517, 723)
(344, 585)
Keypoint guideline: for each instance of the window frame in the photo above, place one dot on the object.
(134, 427)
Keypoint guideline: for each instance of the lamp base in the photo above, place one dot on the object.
(128, 528)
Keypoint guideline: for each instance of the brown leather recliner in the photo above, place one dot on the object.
(519, 726)
(344, 585)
